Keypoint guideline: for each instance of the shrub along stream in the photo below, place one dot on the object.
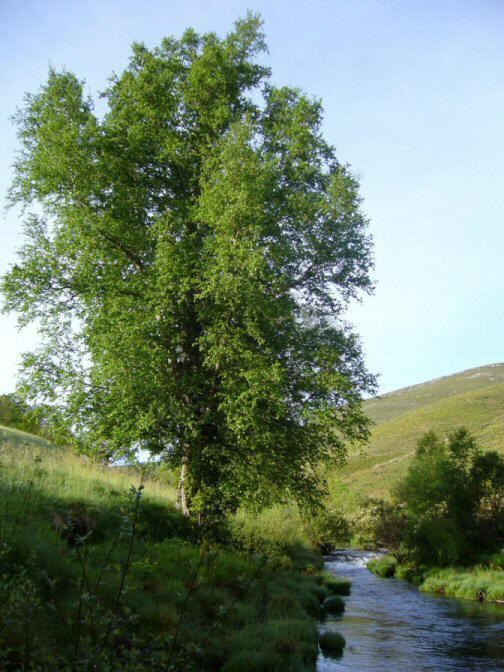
(445, 523)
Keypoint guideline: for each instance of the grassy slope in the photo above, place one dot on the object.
(53, 608)
(16, 437)
(473, 399)
(399, 402)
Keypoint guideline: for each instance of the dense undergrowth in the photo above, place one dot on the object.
(99, 571)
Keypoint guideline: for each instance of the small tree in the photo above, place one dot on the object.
(453, 495)
(195, 254)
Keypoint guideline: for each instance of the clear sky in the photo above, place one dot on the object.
(414, 101)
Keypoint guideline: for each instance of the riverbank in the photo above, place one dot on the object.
(483, 581)
(99, 569)
(391, 625)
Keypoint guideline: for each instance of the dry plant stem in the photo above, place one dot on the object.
(124, 572)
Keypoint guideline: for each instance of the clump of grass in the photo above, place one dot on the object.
(334, 605)
(476, 583)
(279, 644)
(331, 643)
(384, 566)
(409, 573)
(336, 585)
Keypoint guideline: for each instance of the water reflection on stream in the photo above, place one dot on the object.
(390, 625)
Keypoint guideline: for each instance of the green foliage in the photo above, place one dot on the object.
(326, 529)
(196, 248)
(453, 498)
(332, 643)
(410, 572)
(334, 605)
(15, 413)
(384, 566)
(379, 523)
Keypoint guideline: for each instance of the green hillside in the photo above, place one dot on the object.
(473, 399)
(397, 403)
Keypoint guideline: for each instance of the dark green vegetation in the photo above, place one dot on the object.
(197, 247)
(99, 575)
(332, 643)
(473, 399)
(333, 605)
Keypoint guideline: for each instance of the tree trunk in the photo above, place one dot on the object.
(182, 493)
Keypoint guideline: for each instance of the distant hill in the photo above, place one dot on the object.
(473, 399)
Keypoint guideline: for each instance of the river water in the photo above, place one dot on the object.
(390, 625)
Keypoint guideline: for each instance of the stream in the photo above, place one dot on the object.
(390, 625)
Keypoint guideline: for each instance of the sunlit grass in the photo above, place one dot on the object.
(476, 583)
(393, 442)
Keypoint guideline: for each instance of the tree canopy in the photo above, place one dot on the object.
(189, 255)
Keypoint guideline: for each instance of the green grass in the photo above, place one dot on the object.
(65, 535)
(384, 566)
(480, 582)
(332, 643)
(397, 403)
(16, 438)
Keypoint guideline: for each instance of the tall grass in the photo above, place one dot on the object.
(476, 583)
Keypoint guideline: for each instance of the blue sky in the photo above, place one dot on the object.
(414, 101)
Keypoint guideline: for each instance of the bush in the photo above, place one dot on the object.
(380, 523)
(331, 643)
(326, 530)
(334, 605)
(384, 566)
